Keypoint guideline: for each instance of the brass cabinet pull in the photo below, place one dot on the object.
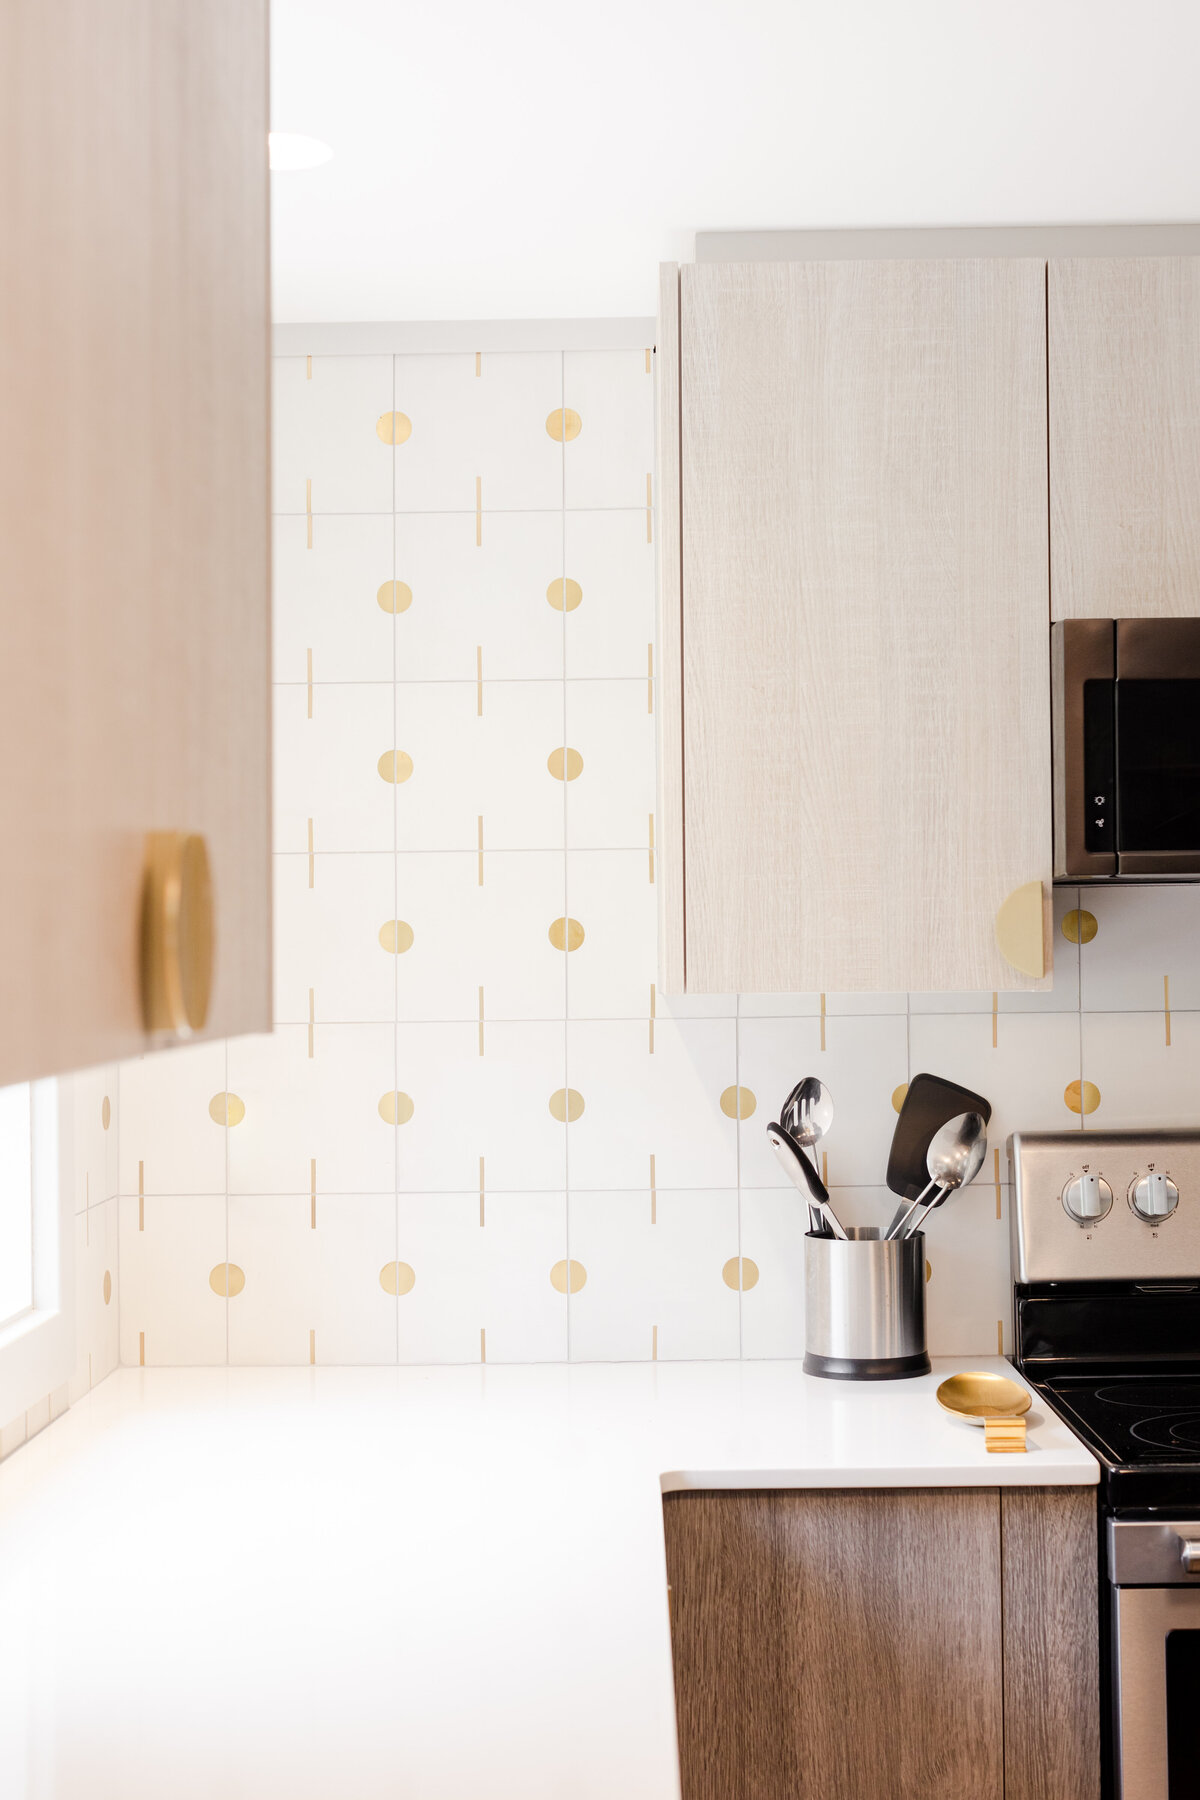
(177, 933)
(1021, 929)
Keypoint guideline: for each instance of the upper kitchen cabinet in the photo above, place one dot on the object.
(1124, 337)
(134, 499)
(854, 654)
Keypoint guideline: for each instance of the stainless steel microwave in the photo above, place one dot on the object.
(1125, 701)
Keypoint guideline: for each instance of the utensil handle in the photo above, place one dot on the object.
(896, 1229)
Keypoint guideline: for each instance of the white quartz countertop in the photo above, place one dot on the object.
(441, 1584)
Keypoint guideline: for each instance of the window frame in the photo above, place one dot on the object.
(37, 1349)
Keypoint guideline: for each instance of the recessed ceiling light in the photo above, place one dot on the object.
(290, 151)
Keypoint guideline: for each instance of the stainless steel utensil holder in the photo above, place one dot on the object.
(864, 1306)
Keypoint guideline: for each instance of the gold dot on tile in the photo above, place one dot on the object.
(899, 1096)
(107, 1287)
(106, 1113)
(396, 1108)
(393, 428)
(749, 1273)
(566, 1105)
(564, 595)
(738, 1102)
(226, 1280)
(1082, 1096)
(1079, 927)
(396, 935)
(397, 1278)
(395, 765)
(394, 596)
(226, 1109)
(563, 424)
(566, 934)
(568, 1277)
(565, 765)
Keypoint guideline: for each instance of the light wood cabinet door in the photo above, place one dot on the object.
(855, 642)
(1124, 345)
(134, 505)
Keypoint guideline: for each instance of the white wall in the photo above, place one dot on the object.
(481, 1191)
(540, 160)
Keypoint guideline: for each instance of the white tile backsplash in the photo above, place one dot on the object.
(327, 597)
(561, 1160)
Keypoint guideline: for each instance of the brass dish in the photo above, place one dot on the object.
(979, 1396)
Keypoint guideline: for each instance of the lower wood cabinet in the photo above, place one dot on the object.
(938, 1644)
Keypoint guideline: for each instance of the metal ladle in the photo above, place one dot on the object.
(822, 1218)
(954, 1158)
(807, 1114)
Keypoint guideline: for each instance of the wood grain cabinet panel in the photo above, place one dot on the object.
(134, 504)
(1124, 346)
(837, 1645)
(1051, 1646)
(896, 1644)
(863, 683)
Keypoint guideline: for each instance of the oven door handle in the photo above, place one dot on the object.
(1189, 1555)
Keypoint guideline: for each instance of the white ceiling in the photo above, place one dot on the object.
(537, 158)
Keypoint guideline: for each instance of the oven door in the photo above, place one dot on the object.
(1157, 1650)
(1156, 1658)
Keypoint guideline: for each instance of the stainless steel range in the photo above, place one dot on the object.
(1106, 1264)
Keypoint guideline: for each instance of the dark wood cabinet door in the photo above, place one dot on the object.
(1051, 1645)
(838, 1645)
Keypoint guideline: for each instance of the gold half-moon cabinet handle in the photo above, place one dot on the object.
(1021, 929)
(177, 933)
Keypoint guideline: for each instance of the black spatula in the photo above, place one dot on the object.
(930, 1102)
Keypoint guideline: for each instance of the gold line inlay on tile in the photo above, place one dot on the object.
(649, 512)
(995, 1019)
(999, 1337)
(482, 1344)
(479, 362)
(141, 1349)
(996, 1155)
(478, 511)
(308, 371)
(310, 684)
(481, 850)
(312, 1347)
(822, 1021)
(647, 362)
(654, 1343)
(825, 1167)
(479, 681)
(312, 866)
(1167, 1007)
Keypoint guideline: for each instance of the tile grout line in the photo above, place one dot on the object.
(396, 904)
(737, 1167)
(566, 879)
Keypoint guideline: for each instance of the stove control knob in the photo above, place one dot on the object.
(1087, 1199)
(1153, 1197)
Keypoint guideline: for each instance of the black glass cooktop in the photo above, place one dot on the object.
(1145, 1420)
